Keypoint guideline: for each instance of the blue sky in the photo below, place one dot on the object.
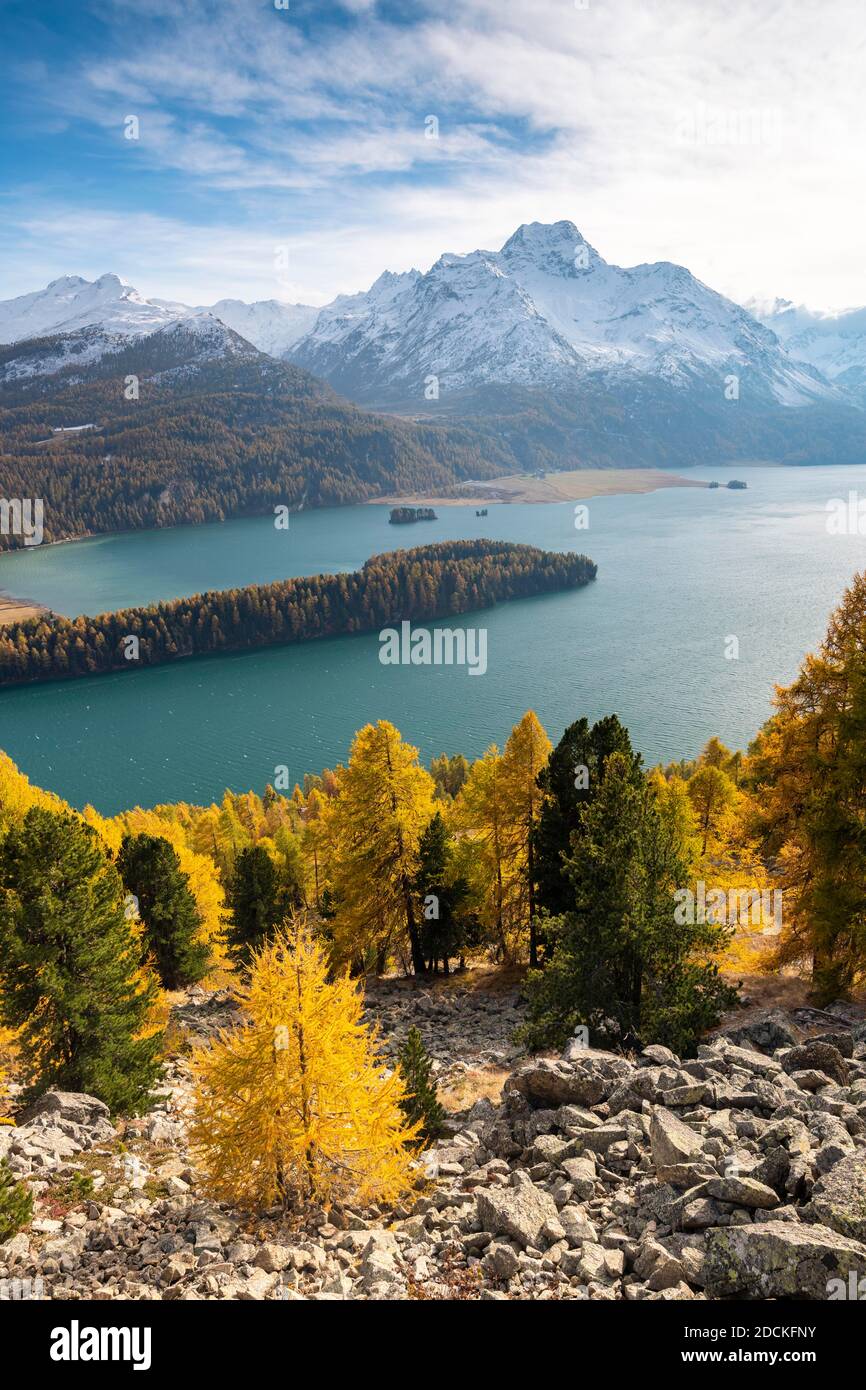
(286, 152)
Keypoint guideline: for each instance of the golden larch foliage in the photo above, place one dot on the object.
(369, 837)
(297, 1102)
(17, 795)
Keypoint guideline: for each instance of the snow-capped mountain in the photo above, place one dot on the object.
(58, 352)
(542, 351)
(181, 349)
(204, 337)
(834, 343)
(546, 311)
(109, 304)
(269, 324)
(72, 303)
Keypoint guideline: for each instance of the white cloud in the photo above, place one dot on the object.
(723, 135)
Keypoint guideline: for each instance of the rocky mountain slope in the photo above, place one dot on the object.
(739, 1174)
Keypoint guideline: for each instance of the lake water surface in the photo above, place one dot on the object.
(680, 572)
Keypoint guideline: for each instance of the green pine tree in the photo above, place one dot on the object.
(422, 1098)
(446, 925)
(151, 872)
(70, 974)
(570, 781)
(620, 963)
(255, 902)
(16, 1203)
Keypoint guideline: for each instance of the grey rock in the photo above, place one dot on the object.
(581, 1173)
(700, 1213)
(554, 1083)
(779, 1259)
(520, 1212)
(501, 1261)
(743, 1192)
(273, 1258)
(839, 1197)
(817, 1056)
(767, 1032)
(671, 1141)
(578, 1228)
(843, 1042)
(74, 1106)
(657, 1056)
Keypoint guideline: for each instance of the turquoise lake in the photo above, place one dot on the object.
(680, 571)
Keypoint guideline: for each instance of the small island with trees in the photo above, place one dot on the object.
(403, 516)
(421, 585)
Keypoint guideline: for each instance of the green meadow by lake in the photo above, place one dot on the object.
(681, 572)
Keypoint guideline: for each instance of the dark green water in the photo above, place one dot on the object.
(680, 571)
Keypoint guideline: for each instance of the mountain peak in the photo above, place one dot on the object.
(64, 282)
(71, 303)
(205, 326)
(557, 247)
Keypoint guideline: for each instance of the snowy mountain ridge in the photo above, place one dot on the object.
(833, 343)
(545, 312)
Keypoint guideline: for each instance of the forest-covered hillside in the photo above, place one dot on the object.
(186, 433)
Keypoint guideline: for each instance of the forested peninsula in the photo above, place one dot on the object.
(422, 584)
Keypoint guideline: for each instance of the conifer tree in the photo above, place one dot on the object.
(421, 1103)
(622, 965)
(482, 814)
(808, 773)
(712, 794)
(297, 1103)
(151, 872)
(373, 831)
(446, 922)
(70, 975)
(254, 902)
(16, 1203)
(569, 781)
(449, 774)
(525, 755)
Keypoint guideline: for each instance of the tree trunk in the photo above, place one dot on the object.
(419, 965)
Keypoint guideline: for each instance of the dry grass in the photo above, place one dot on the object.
(479, 976)
(14, 610)
(763, 991)
(572, 485)
(480, 1083)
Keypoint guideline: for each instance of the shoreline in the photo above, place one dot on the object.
(574, 485)
(19, 610)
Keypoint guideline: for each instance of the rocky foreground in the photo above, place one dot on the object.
(740, 1174)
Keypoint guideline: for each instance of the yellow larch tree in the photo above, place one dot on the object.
(297, 1103)
(370, 835)
(17, 795)
(808, 770)
(481, 812)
